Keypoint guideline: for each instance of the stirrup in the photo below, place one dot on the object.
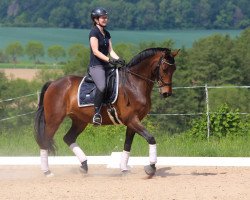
(97, 119)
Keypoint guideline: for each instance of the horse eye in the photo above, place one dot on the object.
(165, 68)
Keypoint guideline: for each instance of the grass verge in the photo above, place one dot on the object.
(107, 139)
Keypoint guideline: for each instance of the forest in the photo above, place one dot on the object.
(129, 14)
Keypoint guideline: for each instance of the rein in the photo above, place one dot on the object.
(142, 77)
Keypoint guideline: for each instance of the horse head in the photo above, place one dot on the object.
(165, 69)
(161, 66)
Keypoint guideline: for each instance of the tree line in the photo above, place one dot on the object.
(129, 14)
(35, 50)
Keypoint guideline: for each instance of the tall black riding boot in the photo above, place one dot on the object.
(97, 119)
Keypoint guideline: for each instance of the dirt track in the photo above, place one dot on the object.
(27, 74)
(175, 183)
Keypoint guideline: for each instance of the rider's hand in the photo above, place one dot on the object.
(122, 62)
(117, 62)
(113, 61)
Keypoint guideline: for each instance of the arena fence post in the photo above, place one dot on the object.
(207, 112)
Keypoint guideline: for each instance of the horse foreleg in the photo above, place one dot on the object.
(126, 151)
(70, 139)
(81, 156)
(142, 131)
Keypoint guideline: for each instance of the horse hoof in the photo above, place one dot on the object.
(125, 171)
(48, 174)
(84, 167)
(150, 169)
(83, 170)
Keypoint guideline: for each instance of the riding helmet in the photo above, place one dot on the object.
(98, 12)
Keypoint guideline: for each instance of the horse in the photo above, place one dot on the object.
(58, 99)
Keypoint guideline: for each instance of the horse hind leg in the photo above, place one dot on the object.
(70, 139)
(47, 146)
(45, 129)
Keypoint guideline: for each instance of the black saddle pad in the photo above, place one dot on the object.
(87, 90)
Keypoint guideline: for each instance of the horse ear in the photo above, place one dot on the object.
(175, 53)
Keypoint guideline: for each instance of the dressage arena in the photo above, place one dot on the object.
(175, 182)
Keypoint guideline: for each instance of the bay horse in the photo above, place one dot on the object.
(58, 99)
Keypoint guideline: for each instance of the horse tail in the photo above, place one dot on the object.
(42, 141)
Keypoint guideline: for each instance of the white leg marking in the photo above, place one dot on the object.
(78, 152)
(124, 161)
(44, 160)
(152, 154)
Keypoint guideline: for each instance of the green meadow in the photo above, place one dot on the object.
(68, 37)
(107, 139)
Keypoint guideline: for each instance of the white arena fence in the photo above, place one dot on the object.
(206, 91)
(113, 161)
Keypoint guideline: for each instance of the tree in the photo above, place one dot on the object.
(34, 49)
(133, 14)
(126, 51)
(4, 83)
(60, 16)
(242, 53)
(76, 50)
(14, 50)
(211, 60)
(3, 57)
(56, 52)
(79, 60)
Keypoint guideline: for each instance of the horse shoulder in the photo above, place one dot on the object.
(133, 101)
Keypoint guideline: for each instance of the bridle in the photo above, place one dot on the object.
(161, 83)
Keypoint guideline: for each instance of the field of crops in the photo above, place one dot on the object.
(67, 37)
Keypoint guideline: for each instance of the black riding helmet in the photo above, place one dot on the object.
(98, 12)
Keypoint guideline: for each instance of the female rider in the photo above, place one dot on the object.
(101, 55)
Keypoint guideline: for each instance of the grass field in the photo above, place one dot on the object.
(68, 37)
(107, 139)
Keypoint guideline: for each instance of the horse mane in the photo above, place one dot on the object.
(145, 54)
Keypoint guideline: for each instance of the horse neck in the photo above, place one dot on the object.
(143, 74)
(146, 67)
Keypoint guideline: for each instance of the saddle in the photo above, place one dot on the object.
(87, 89)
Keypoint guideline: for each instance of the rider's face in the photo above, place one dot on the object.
(103, 20)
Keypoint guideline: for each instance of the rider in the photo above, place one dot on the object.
(101, 55)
